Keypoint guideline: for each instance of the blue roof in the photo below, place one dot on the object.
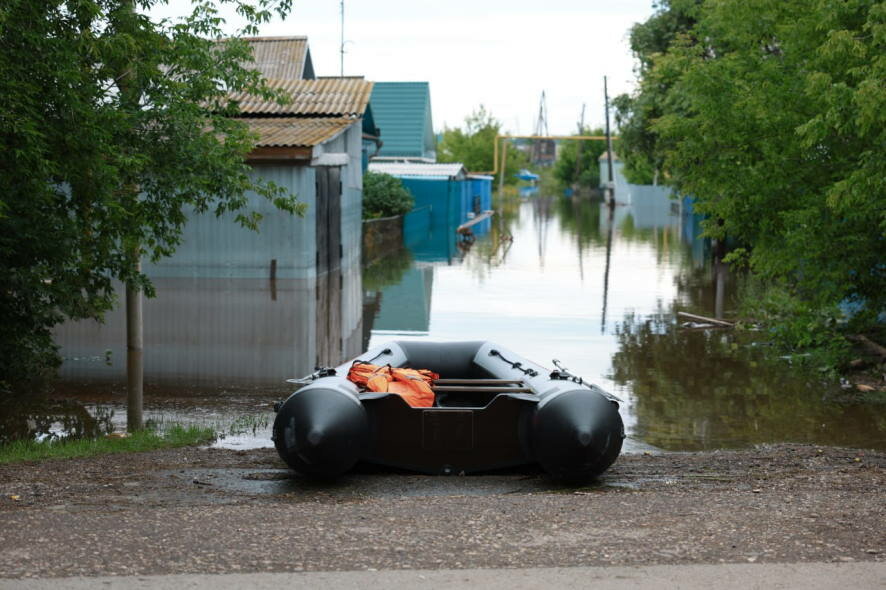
(402, 112)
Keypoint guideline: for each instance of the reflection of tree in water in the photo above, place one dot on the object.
(697, 389)
(31, 419)
(387, 269)
(580, 218)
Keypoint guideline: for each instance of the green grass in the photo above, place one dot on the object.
(145, 440)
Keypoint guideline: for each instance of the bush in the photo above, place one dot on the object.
(810, 334)
(385, 196)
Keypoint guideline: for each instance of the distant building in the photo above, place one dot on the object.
(402, 112)
(619, 184)
(446, 195)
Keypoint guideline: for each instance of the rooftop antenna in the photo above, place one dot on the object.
(342, 49)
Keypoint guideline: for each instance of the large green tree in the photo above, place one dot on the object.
(114, 127)
(773, 117)
(474, 145)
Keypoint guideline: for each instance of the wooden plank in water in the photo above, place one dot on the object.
(468, 224)
(702, 318)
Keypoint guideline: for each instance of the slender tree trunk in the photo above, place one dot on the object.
(134, 357)
(125, 19)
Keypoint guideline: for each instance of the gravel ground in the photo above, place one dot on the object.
(218, 511)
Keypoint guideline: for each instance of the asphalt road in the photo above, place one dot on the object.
(806, 576)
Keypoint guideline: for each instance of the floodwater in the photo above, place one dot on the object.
(549, 277)
(598, 288)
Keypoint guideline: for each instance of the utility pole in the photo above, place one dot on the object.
(581, 131)
(608, 141)
(504, 166)
(342, 48)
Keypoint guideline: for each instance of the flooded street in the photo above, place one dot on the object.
(557, 278)
(548, 277)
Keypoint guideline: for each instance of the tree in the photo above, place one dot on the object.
(639, 146)
(474, 145)
(114, 127)
(776, 125)
(578, 162)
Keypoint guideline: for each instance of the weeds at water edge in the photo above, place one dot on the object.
(144, 440)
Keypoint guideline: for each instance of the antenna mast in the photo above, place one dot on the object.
(543, 150)
(342, 48)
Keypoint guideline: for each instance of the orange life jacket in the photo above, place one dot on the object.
(413, 385)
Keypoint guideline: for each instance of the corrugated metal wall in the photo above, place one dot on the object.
(218, 247)
(218, 320)
(204, 332)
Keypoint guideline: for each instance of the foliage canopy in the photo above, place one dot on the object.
(114, 126)
(385, 196)
(578, 162)
(772, 115)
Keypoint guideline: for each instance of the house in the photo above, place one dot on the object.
(402, 112)
(314, 146)
(238, 306)
(282, 58)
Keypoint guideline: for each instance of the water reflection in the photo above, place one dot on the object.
(595, 286)
(701, 389)
(598, 287)
(42, 419)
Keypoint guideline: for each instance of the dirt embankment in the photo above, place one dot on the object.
(203, 510)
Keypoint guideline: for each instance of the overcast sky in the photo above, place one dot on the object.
(501, 53)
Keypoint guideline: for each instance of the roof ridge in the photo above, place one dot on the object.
(284, 38)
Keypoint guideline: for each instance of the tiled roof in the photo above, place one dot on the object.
(280, 57)
(297, 132)
(346, 97)
(453, 170)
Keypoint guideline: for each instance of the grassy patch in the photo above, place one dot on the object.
(145, 440)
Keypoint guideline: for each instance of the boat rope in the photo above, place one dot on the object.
(322, 372)
(563, 374)
(369, 362)
(518, 366)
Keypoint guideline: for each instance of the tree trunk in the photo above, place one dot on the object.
(134, 357)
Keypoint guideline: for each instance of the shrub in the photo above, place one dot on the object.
(385, 196)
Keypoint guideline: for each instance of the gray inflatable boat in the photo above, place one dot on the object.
(492, 409)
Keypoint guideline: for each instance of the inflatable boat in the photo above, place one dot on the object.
(491, 409)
